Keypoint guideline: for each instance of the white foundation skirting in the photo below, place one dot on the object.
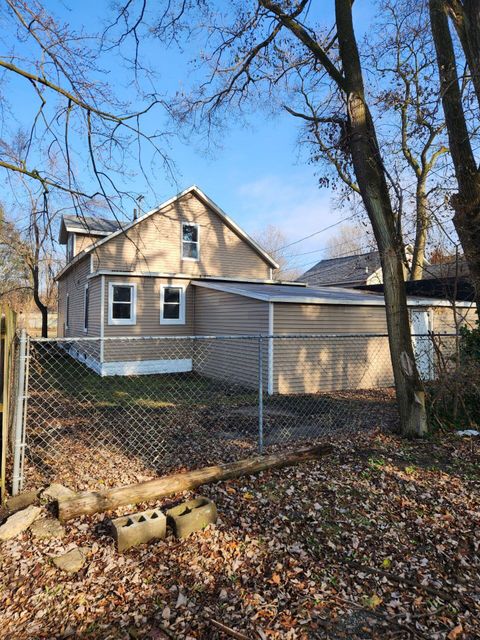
(132, 367)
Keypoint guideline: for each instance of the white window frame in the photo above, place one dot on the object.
(133, 303)
(86, 293)
(191, 224)
(67, 311)
(182, 305)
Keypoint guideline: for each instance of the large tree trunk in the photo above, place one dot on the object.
(370, 174)
(466, 18)
(466, 203)
(95, 501)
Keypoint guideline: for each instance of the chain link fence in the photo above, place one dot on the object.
(119, 410)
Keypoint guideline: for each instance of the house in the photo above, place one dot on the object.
(187, 269)
(449, 279)
(345, 271)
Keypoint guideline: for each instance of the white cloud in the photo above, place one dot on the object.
(297, 206)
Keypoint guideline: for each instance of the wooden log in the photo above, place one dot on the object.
(96, 501)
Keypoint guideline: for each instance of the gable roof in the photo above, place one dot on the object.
(201, 196)
(314, 295)
(86, 224)
(350, 270)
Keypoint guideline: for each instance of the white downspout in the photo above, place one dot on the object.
(102, 321)
(270, 349)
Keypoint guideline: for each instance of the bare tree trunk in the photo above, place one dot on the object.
(422, 225)
(466, 202)
(35, 270)
(40, 306)
(370, 174)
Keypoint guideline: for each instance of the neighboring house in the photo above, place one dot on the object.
(347, 271)
(364, 271)
(187, 269)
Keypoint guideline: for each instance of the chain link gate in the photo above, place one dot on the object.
(219, 399)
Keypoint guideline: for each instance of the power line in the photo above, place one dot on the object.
(315, 233)
(361, 250)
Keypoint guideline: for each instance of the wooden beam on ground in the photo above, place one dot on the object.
(97, 501)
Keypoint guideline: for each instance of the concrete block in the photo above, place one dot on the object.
(138, 528)
(191, 516)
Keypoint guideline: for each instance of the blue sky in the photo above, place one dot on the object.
(255, 175)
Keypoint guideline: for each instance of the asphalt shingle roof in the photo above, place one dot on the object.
(89, 224)
(349, 270)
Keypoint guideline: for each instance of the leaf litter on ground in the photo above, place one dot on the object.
(379, 540)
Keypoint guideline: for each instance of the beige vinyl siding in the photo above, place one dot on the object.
(73, 283)
(445, 320)
(335, 318)
(94, 313)
(155, 245)
(314, 365)
(83, 241)
(224, 314)
(148, 323)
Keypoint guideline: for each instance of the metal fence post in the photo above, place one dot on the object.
(20, 414)
(260, 394)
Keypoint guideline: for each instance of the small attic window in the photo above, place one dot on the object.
(190, 241)
(70, 246)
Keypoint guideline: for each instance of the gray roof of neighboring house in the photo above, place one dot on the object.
(311, 295)
(450, 269)
(349, 270)
(86, 224)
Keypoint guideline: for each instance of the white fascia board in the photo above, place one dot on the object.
(437, 302)
(233, 225)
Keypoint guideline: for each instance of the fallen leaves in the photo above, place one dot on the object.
(342, 549)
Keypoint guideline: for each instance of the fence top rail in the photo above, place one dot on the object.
(259, 336)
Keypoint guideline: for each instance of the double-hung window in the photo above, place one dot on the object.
(122, 300)
(190, 241)
(172, 305)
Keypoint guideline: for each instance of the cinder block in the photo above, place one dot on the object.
(190, 516)
(138, 528)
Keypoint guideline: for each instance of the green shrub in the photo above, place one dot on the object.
(470, 343)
